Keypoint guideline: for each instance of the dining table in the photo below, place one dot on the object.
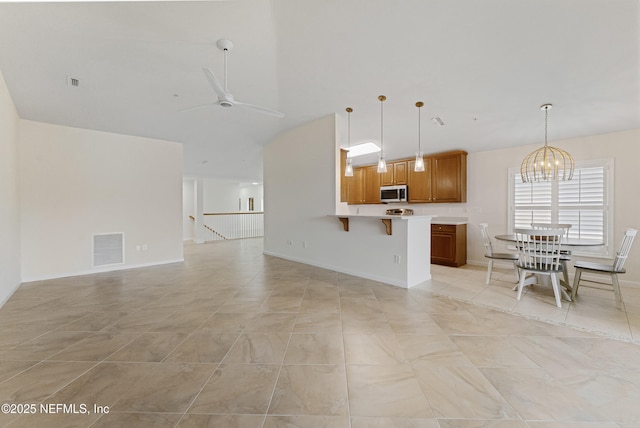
(567, 243)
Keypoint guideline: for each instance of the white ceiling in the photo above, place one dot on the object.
(484, 67)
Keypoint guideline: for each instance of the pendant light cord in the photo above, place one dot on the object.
(349, 127)
(419, 145)
(546, 116)
(381, 129)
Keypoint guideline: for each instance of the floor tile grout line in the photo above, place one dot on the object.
(284, 356)
(239, 334)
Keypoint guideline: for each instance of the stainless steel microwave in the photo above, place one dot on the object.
(393, 194)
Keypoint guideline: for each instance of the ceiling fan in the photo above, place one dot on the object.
(225, 98)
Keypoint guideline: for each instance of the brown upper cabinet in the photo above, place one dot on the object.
(419, 183)
(344, 192)
(355, 187)
(371, 185)
(443, 181)
(449, 177)
(396, 174)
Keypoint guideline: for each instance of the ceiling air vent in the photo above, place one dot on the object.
(438, 121)
(73, 81)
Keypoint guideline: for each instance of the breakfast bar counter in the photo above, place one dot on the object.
(402, 243)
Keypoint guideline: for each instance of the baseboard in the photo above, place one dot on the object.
(100, 270)
(8, 296)
(341, 270)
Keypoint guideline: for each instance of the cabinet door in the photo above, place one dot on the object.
(355, 187)
(388, 178)
(419, 183)
(443, 247)
(371, 185)
(449, 244)
(400, 172)
(344, 188)
(449, 178)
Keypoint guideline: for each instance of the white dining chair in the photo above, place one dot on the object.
(539, 254)
(565, 255)
(604, 269)
(491, 255)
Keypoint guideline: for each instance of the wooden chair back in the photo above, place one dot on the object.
(540, 249)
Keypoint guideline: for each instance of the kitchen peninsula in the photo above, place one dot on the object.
(404, 239)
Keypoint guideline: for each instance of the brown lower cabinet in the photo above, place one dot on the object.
(449, 244)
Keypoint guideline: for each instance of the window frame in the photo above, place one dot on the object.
(603, 251)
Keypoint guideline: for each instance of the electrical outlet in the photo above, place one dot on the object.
(396, 258)
(144, 247)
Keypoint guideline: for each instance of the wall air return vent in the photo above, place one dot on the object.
(108, 249)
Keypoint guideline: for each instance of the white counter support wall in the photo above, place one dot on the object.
(300, 170)
(409, 238)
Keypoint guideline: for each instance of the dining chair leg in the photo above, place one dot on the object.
(576, 283)
(517, 271)
(616, 290)
(489, 271)
(565, 271)
(556, 288)
(523, 275)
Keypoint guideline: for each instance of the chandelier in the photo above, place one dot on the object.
(547, 163)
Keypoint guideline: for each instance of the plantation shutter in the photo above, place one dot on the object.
(532, 203)
(581, 202)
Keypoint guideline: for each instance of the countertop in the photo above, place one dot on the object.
(402, 217)
(454, 221)
(435, 219)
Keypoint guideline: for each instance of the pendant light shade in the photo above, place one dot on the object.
(382, 165)
(547, 163)
(348, 170)
(419, 164)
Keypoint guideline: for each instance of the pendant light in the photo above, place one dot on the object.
(348, 170)
(419, 164)
(547, 163)
(382, 165)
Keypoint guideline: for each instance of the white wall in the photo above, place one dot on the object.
(218, 196)
(255, 191)
(9, 208)
(300, 171)
(488, 188)
(188, 208)
(221, 196)
(74, 183)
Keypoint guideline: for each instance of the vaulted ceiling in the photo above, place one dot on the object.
(484, 67)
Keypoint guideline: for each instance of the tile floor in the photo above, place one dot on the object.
(233, 338)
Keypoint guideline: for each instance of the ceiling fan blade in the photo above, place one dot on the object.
(259, 109)
(197, 107)
(213, 81)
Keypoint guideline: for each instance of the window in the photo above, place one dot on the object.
(585, 202)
